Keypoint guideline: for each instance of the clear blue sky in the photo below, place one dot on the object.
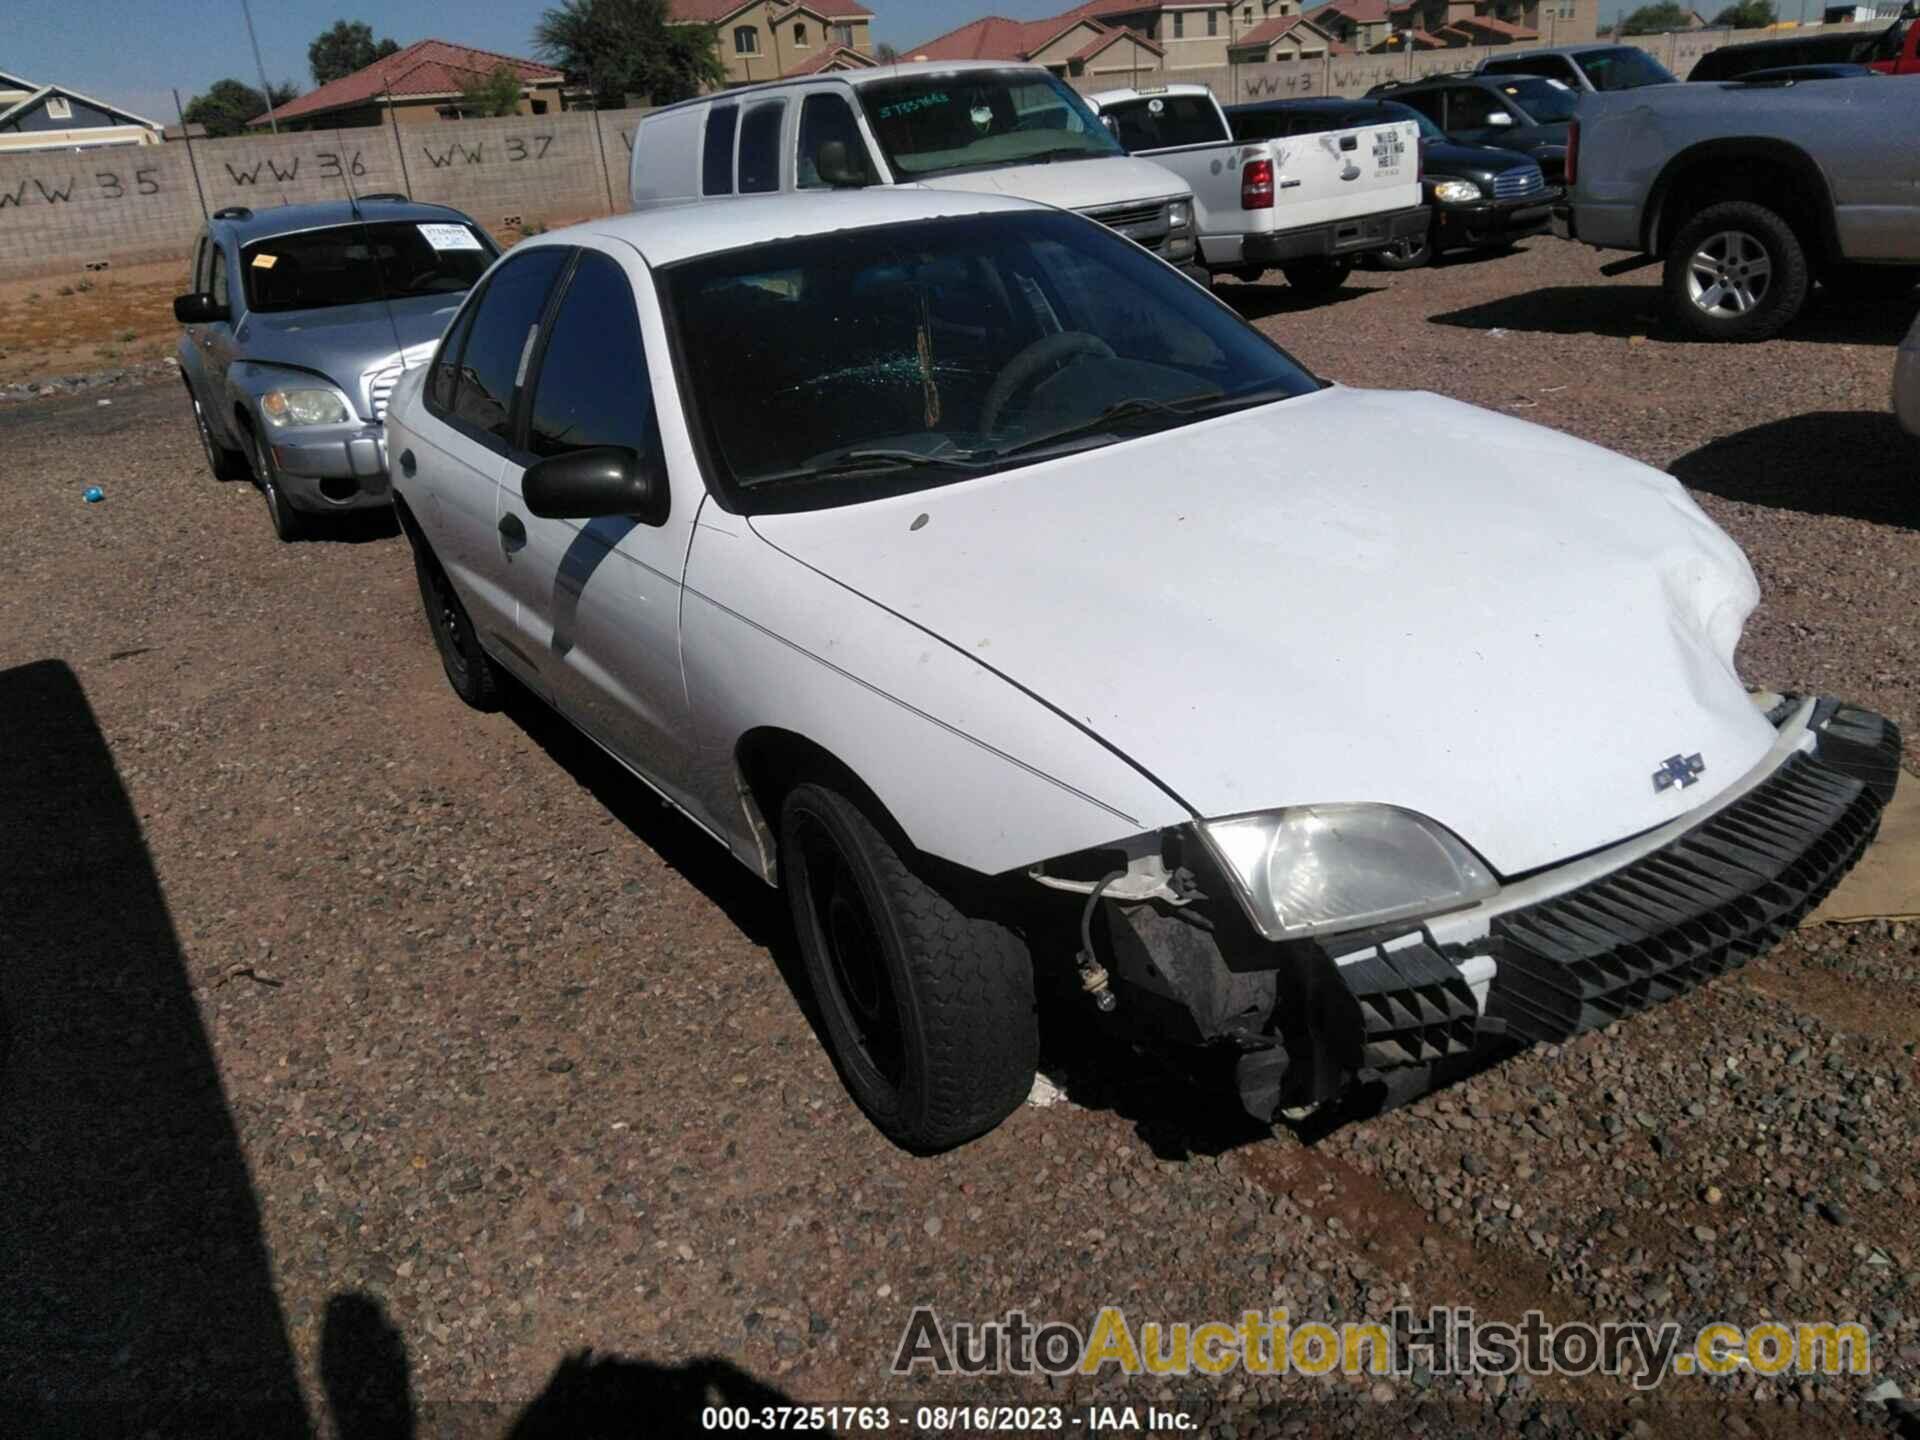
(131, 51)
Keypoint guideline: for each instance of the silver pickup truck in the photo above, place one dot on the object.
(1749, 193)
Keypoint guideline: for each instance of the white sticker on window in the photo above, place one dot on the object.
(449, 237)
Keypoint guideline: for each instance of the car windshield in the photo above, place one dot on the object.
(1546, 101)
(842, 367)
(357, 263)
(973, 119)
(1623, 67)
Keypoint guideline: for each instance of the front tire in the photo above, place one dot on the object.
(1405, 253)
(1317, 277)
(224, 463)
(289, 524)
(929, 1010)
(1736, 271)
(471, 672)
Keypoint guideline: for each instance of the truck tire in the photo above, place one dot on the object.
(1317, 277)
(1735, 271)
(1871, 282)
(929, 1011)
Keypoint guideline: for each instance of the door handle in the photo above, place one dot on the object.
(407, 465)
(512, 532)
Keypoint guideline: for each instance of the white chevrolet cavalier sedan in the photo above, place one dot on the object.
(1027, 616)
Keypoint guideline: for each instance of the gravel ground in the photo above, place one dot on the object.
(371, 1058)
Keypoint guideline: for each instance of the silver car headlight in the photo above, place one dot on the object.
(1314, 869)
(304, 407)
(1456, 192)
(1179, 215)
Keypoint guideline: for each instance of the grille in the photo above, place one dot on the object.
(1121, 216)
(1414, 1005)
(1719, 894)
(380, 389)
(1518, 184)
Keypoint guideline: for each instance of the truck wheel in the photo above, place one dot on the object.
(1735, 271)
(929, 1011)
(1317, 277)
(224, 463)
(471, 672)
(1871, 282)
(1405, 253)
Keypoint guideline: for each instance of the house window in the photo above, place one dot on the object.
(1179, 24)
(58, 108)
(1246, 14)
(840, 35)
(1213, 22)
(799, 34)
(746, 40)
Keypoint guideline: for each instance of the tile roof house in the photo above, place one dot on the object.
(1436, 24)
(1360, 24)
(53, 117)
(425, 81)
(766, 39)
(1296, 37)
(1118, 36)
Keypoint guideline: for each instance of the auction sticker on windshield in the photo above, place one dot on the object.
(449, 237)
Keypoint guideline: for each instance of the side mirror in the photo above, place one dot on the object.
(836, 167)
(1499, 118)
(602, 480)
(199, 308)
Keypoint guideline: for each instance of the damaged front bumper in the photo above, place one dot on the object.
(1565, 950)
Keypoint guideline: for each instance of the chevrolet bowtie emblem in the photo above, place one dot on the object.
(1681, 770)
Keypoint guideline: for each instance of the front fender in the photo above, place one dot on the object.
(974, 770)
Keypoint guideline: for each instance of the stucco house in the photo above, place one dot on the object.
(425, 82)
(1104, 37)
(1357, 24)
(1450, 24)
(1294, 37)
(766, 39)
(52, 117)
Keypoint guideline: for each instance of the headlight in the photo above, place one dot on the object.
(303, 407)
(1320, 868)
(1456, 192)
(1179, 215)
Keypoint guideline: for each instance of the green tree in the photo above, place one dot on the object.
(1655, 19)
(229, 104)
(344, 48)
(886, 54)
(627, 47)
(495, 93)
(1747, 15)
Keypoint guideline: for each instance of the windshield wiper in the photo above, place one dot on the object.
(852, 462)
(1064, 152)
(1141, 406)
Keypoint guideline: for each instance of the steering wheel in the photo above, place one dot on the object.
(1048, 352)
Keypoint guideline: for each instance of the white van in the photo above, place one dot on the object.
(967, 125)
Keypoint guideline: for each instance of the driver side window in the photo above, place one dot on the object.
(1468, 108)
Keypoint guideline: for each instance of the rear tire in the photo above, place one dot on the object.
(929, 1010)
(1317, 277)
(471, 672)
(1735, 271)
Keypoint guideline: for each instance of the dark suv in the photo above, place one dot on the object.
(1479, 195)
(1527, 113)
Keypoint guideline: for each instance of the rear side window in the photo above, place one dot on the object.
(760, 147)
(1258, 124)
(445, 375)
(716, 162)
(501, 339)
(831, 150)
(217, 276)
(1162, 122)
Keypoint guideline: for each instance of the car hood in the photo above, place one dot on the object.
(1071, 184)
(1448, 159)
(1348, 596)
(344, 341)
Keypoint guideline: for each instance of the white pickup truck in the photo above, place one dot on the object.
(1310, 204)
(979, 126)
(1748, 192)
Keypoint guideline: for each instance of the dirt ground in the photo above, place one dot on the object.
(372, 1059)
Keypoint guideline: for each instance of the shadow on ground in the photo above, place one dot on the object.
(135, 1291)
(1854, 463)
(1627, 310)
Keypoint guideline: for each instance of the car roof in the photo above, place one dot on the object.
(1555, 50)
(856, 79)
(672, 233)
(247, 225)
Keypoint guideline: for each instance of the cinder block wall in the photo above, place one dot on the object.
(60, 210)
